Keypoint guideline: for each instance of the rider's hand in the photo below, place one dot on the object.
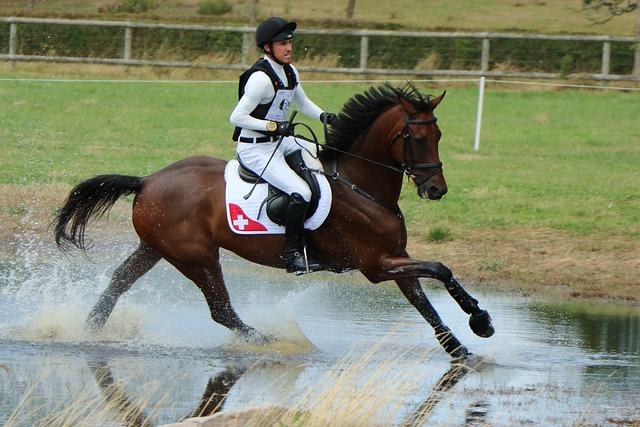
(284, 129)
(330, 118)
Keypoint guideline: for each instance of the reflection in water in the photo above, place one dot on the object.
(476, 414)
(450, 378)
(119, 403)
(217, 391)
(614, 334)
(610, 332)
(128, 411)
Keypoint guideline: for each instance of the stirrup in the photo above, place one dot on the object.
(309, 268)
(298, 263)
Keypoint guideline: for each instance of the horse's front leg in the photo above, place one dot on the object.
(413, 292)
(405, 268)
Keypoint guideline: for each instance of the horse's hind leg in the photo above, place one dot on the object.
(412, 290)
(138, 263)
(210, 281)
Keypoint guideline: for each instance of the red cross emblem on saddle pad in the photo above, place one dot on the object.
(241, 221)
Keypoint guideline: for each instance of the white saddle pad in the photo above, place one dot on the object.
(246, 217)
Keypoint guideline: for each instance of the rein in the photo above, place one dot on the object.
(407, 166)
(335, 175)
(328, 147)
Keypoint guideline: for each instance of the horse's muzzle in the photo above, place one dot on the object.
(431, 186)
(431, 191)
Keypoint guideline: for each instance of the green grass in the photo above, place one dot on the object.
(563, 159)
(439, 234)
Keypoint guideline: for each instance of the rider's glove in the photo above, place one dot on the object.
(329, 118)
(284, 129)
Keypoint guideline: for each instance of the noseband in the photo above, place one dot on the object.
(408, 165)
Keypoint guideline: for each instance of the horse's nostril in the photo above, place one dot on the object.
(433, 190)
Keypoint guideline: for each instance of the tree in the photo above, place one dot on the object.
(350, 8)
(606, 10)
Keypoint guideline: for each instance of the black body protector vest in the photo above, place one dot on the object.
(278, 108)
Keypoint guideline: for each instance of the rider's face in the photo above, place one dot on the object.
(282, 51)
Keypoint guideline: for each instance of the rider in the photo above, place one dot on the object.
(261, 119)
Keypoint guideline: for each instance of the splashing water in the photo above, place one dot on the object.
(538, 359)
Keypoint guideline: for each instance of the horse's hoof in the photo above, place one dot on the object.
(480, 324)
(264, 339)
(460, 353)
(451, 344)
(255, 337)
(93, 326)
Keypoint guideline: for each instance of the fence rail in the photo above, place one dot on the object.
(484, 69)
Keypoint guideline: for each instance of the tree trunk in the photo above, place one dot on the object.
(252, 11)
(350, 7)
(249, 50)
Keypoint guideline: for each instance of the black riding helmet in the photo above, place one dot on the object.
(274, 29)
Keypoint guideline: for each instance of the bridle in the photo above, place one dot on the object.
(408, 165)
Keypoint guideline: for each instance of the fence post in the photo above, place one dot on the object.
(13, 38)
(484, 61)
(364, 52)
(128, 36)
(636, 63)
(248, 49)
(606, 58)
(476, 139)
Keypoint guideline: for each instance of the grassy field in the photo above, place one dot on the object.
(546, 16)
(551, 197)
(560, 159)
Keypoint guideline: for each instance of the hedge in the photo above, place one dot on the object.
(328, 50)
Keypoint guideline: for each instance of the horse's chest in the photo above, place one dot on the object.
(355, 232)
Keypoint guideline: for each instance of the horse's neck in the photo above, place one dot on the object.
(382, 183)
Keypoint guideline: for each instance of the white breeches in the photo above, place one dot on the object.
(278, 173)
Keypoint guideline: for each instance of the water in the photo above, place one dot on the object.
(343, 341)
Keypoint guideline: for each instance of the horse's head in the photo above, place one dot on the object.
(394, 128)
(416, 145)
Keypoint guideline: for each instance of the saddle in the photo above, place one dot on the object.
(276, 201)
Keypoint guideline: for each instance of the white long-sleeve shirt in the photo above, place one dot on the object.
(259, 90)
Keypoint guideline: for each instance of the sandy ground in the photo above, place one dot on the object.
(543, 262)
(533, 262)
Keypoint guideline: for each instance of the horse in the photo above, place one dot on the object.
(178, 212)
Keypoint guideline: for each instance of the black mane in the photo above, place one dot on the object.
(360, 111)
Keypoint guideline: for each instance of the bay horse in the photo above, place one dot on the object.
(179, 213)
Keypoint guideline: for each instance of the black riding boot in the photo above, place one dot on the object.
(293, 254)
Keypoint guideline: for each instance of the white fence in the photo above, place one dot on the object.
(483, 70)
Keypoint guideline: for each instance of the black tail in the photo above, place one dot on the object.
(91, 198)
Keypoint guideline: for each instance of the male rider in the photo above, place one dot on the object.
(265, 92)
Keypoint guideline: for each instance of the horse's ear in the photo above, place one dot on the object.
(407, 106)
(435, 101)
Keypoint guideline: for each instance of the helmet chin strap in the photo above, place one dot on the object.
(271, 55)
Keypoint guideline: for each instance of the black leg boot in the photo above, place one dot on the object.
(293, 254)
